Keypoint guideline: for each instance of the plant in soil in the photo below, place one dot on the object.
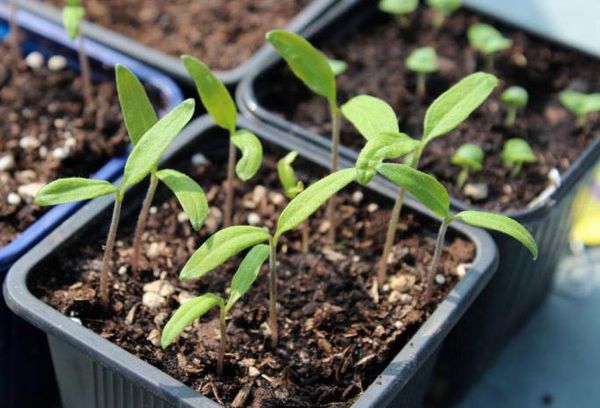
(232, 240)
(515, 153)
(142, 161)
(469, 157)
(422, 61)
(221, 107)
(372, 116)
(400, 9)
(515, 98)
(311, 66)
(488, 41)
(195, 308)
(442, 9)
(72, 16)
(581, 105)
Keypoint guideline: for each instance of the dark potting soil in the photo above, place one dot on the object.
(45, 136)
(335, 339)
(375, 53)
(222, 33)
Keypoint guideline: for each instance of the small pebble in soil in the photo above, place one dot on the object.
(60, 123)
(152, 210)
(154, 337)
(405, 298)
(43, 152)
(476, 191)
(461, 269)
(161, 287)
(153, 300)
(7, 162)
(60, 153)
(440, 279)
(199, 159)
(215, 216)
(122, 270)
(276, 198)
(57, 63)
(185, 296)
(253, 219)
(259, 195)
(372, 207)
(70, 142)
(357, 196)
(182, 217)
(29, 190)
(13, 199)
(35, 60)
(28, 143)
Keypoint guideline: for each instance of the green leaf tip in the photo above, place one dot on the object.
(371, 116)
(189, 194)
(72, 15)
(252, 153)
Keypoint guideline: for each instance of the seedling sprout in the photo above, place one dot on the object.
(221, 107)
(291, 188)
(515, 153)
(400, 9)
(442, 9)
(581, 104)
(515, 98)
(423, 61)
(469, 157)
(488, 41)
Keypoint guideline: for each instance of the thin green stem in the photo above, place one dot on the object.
(439, 244)
(516, 169)
(489, 62)
(581, 121)
(421, 81)
(223, 342)
(462, 177)
(108, 250)
(141, 222)
(227, 220)
(273, 294)
(511, 116)
(336, 121)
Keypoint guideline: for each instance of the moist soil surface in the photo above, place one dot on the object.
(334, 338)
(45, 136)
(222, 33)
(375, 53)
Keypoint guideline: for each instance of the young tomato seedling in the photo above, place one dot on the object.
(291, 188)
(312, 67)
(73, 14)
(400, 9)
(516, 152)
(442, 9)
(195, 308)
(142, 161)
(221, 107)
(515, 98)
(372, 116)
(582, 105)
(232, 240)
(469, 157)
(423, 61)
(488, 41)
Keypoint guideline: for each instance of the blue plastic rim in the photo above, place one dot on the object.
(50, 38)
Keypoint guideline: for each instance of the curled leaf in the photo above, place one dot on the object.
(247, 273)
(189, 194)
(370, 116)
(72, 189)
(252, 153)
(287, 176)
(384, 146)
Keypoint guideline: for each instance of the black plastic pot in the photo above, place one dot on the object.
(91, 371)
(168, 63)
(520, 284)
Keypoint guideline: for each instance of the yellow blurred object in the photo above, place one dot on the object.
(586, 213)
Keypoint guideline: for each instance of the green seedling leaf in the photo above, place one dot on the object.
(220, 247)
(306, 62)
(189, 194)
(515, 96)
(72, 15)
(247, 273)
(370, 116)
(72, 189)
(214, 95)
(579, 103)
(291, 186)
(468, 155)
(452, 107)
(502, 224)
(424, 187)
(252, 153)
(517, 151)
(338, 67)
(422, 60)
(308, 201)
(486, 39)
(138, 112)
(147, 152)
(398, 7)
(444, 6)
(385, 146)
(187, 313)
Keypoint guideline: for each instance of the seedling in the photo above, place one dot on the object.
(423, 61)
(312, 67)
(220, 106)
(488, 41)
(291, 188)
(514, 98)
(400, 9)
(142, 161)
(73, 14)
(469, 157)
(516, 152)
(232, 240)
(372, 116)
(195, 308)
(139, 117)
(582, 105)
(434, 196)
(442, 9)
